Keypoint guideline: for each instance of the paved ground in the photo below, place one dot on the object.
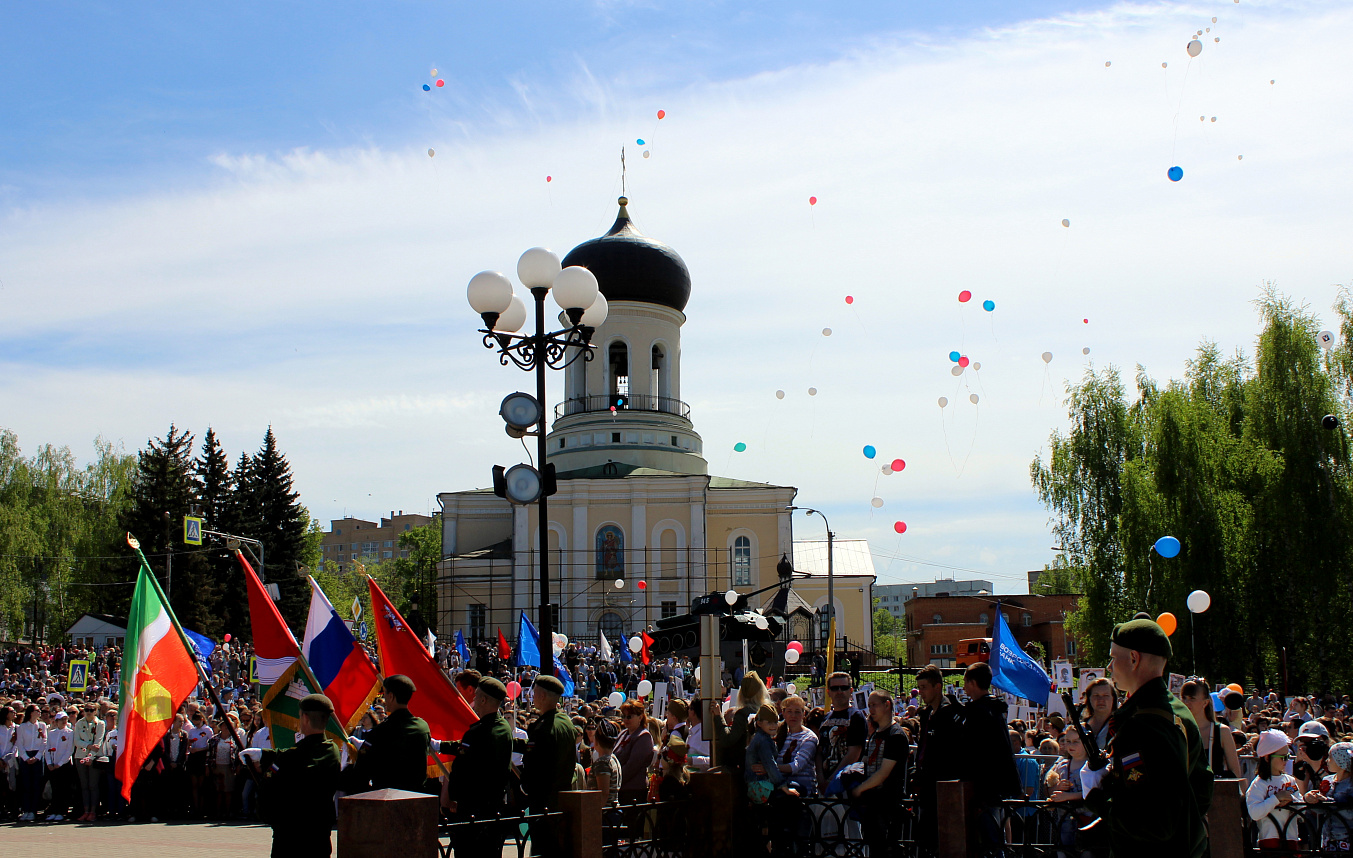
(113, 840)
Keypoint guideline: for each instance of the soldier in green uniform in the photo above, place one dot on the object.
(477, 787)
(1155, 792)
(549, 755)
(393, 754)
(299, 785)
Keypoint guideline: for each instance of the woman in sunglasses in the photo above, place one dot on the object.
(1271, 792)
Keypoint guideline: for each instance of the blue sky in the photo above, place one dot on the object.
(227, 217)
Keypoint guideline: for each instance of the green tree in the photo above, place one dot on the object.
(269, 510)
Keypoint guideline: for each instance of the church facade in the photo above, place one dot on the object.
(638, 527)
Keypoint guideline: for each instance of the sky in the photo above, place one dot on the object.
(228, 217)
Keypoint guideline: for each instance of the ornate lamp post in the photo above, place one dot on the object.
(491, 295)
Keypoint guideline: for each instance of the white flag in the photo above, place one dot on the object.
(431, 641)
(605, 647)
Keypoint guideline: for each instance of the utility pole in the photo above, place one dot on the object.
(169, 557)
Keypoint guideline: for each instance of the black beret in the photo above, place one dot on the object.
(400, 686)
(493, 688)
(317, 703)
(1143, 635)
(550, 684)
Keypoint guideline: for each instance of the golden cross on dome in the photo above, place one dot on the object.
(622, 172)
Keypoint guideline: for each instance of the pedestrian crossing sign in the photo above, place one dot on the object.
(78, 678)
(253, 670)
(192, 530)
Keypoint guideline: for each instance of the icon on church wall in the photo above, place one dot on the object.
(610, 552)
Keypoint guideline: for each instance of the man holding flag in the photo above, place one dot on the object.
(301, 782)
(393, 754)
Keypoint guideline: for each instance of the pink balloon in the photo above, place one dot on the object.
(227, 638)
(796, 646)
(850, 299)
(898, 464)
(441, 82)
(963, 361)
(900, 526)
(964, 297)
(513, 689)
(812, 201)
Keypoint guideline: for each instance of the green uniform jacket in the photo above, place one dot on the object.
(548, 757)
(1155, 799)
(483, 764)
(298, 792)
(394, 755)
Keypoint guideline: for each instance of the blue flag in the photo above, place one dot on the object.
(203, 647)
(625, 654)
(462, 649)
(528, 652)
(1014, 670)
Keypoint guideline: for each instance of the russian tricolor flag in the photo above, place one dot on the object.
(344, 671)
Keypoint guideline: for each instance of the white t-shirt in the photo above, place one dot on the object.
(198, 737)
(225, 748)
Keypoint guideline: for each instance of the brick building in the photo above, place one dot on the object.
(352, 540)
(935, 624)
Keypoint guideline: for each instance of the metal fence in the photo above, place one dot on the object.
(1033, 827)
(791, 827)
(500, 830)
(648, 830)
(1302, 829)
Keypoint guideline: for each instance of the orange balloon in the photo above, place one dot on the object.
(1167, 622)
(1235, 686)
(662, 114)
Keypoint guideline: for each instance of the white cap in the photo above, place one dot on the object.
(60, 715)
(1314, 728)
(1271, 742)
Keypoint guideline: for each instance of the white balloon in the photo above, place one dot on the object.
(731, 597)
(1047, 357)
(944, 400)
(636, 644)
(432, 153)
(779, 394)
(956, 370)
(645, 153)
(561, 640)
(615, 699)
(697, 673)
(972, 398)
(1194, 48)
(792, 689)
(645, 688)
(812, 391)
(876, 503)
(886, 470)
(1066, 222)
(1325, 338)
(620, 583)
(976, 365)
(826, 332)
(1199, 601)
(761, 622)
(1085, 351)
(791, 656)
(1108, 63)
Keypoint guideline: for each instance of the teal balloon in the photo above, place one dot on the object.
(640, 142)
(954, 356)
(869, 451)
(988, 305)
(739, 447)
(1167, 546)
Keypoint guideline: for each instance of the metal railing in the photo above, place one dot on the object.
(1029, 827)
(842, 828)
(623, 402)
(648, 830)
(495, 831)
(1302, 829)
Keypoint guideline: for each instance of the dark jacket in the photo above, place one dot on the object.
(549, 755)
(989, 761)
(298, 796)
(393, 756)
(479, 776)
(939, 746)
(1156, 797)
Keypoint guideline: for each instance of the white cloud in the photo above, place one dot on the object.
(322, 291)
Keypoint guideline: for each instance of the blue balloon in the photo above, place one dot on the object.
(426, 88)
(1167, 546)
(988, 305)
(954, 356)
(1217, 705)
(1175, 173)
(869, 451)
(639, 141)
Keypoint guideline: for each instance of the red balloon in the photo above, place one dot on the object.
(643, 585)
(812, 201)
(227, 638)
(662, 114)
(850, 299)
(549, 178)
(441, 82)
(963, 361)
(964, 297)
(795, 645)
(898, 464)
(1086, 321)
(900, 526)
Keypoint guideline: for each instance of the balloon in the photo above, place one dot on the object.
(1085, 351)
(645, 688)
(642, 585)
(639, 141)
(432, 153)
(1066, 222)
(792, 689)
(1164, 65)
(826, 332)
(1216, 38)
(944, 400)
(1167, 623)
(1329, 422)
(646, 153)
(1175, 173)
(562, 640)
(900, 526)
(1167, 546)
(876, 503)
(1240, 157)
(964, 297)
(1214, 20)
(963, 361)
(1194, 47)
(636, 643)
(620, 583)
(1108, 63)
(812, 201)
(791, 657)
(796, 646)
(615, 699)
(1085, 321)
(613, 409)
(972, 397)
(227, 638)
(662, 114)
(427, 88)
(1214, 119)
(731, 598)
(976, 365)
(886, 471)
(1216, 702)
(869, 451)
(1325, 338)
(1047, 357)
(1199, 601)
(739, 447)
(956, 370)
(954, 356)
(697, 673)
(434, 72)
(779, 394)
(1235, 688)
(898, 465)
(812, 391)
(761, 622)
(850, 299)
(549, 178)
(988, 305)
(441, 82)
(513, 689)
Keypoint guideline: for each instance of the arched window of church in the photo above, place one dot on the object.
(667, 547)
(742, 562)
(610, 553)
(613, 627)
(658, 383)
(619, 362)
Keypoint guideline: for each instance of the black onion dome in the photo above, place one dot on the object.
(630, 266)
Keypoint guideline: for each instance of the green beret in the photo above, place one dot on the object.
(1143, 635)
(493, 688)
(400, 686)
(317, 703)
(550, 684)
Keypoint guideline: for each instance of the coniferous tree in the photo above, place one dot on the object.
(281, 526)
(215, 484)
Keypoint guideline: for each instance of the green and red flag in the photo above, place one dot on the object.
(158, 674)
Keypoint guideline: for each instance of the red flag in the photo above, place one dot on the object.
(504, 651)
(274, 646)
(436, 701)
(648, 642)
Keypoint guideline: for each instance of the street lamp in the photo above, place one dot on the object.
(491, 295)
(831, 590)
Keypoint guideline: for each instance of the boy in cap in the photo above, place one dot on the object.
(1155, 792)
(394, 753)
(477, 787)
(298, 794)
